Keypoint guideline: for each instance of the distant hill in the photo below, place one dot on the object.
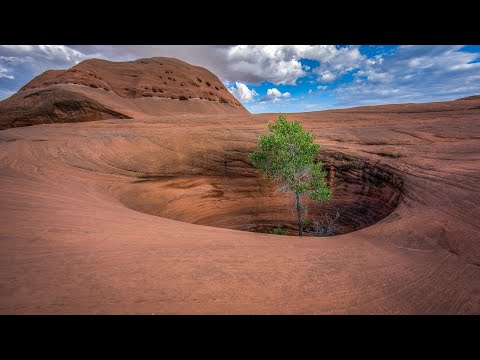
(473, 97)
(99, 89)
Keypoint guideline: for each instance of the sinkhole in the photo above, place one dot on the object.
(363, 194)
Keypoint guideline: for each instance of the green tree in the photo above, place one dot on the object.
(287, 156)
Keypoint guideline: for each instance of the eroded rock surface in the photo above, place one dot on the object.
(100, 89)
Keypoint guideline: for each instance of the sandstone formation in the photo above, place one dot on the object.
(100, 89)
(143, 215)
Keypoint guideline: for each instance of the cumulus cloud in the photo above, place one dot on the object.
(274, 95)
(242, 92)
(280, 64)
(322, 87)
(414, 74)
(255, 64)
(337, 61)
(327, 76)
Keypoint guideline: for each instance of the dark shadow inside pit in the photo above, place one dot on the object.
(363, 194)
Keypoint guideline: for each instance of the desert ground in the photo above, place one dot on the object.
(121, 203)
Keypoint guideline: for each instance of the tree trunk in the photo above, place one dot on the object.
(299, 214)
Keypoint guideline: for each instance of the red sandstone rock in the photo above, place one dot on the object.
(100, 89)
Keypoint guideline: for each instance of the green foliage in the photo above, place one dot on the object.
(278, 231)
(288, 157)
(305, 222)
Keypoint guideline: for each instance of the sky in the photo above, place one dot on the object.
(285, 78)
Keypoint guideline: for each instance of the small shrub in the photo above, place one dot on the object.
(217, 88)
(182, 97)
(278, 231)
(199, 80)
(206, 82)
(327, 227)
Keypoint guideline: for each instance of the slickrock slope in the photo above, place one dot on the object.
(100, 89)
(143, 216)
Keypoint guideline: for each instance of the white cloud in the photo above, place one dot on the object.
(322, 87)
(335, 61)
(414, 74)
(257, 63)
(310, 91)
(4, 73)
(327, 76)
(280, 64)
(39, 54)
(242, 92)
(274, 95)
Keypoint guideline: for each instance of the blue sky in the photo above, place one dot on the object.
(285, 78)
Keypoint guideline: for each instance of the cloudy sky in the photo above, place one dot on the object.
(285, 78)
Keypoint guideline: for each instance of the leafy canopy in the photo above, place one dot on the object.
(288, 157)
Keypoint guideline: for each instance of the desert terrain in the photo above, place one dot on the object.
(126, 188)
